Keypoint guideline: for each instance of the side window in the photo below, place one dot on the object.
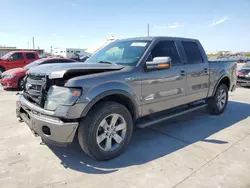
(30, 56)
(17, 56)
(192, 52)
(166, 48)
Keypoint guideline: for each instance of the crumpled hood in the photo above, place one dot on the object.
(59, 70)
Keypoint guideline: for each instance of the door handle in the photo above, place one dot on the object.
(183, 73)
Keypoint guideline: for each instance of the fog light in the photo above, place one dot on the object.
(46, 130)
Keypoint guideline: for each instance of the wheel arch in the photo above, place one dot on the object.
(2, 68)
(116, 95)
(223, 80)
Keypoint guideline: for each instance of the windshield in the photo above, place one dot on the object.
(120, 52)
(6, 56)
(247, 65)
(33, 64)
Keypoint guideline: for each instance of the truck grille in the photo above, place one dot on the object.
(34, 86)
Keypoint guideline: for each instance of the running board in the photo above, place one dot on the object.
(152, 121)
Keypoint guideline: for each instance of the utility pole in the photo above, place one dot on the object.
(33, 40)
(28, 44)
(148, 30)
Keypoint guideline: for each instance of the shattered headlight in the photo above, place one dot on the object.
(61, 95)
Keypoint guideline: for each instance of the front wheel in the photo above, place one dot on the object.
(218, 103)
(1, 70)
(106, 131)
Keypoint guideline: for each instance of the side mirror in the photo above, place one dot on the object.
(159, 63)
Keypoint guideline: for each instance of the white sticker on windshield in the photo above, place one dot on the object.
(142, 44)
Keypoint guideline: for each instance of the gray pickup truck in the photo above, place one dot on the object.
(129, 82)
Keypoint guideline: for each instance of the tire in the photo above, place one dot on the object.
(1, 70)
(93, 127)
(21, 84)
(213, 103)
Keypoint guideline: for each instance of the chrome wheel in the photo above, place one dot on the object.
(111, 132)
(221, 99)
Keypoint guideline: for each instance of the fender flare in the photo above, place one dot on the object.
(106, 94)
(218, 83)
(1, 67)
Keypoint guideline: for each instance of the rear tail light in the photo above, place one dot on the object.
(239, 73)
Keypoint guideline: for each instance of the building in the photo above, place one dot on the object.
(69, 52)
(4, 50)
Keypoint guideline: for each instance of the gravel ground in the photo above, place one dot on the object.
(195, 150)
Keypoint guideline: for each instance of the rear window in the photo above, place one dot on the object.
(192, 52)
(30, 56)
(244, 71)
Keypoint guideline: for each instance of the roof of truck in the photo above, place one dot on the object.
(26, 51)
(159, 38)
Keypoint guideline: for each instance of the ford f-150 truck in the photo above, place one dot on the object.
(128, 83)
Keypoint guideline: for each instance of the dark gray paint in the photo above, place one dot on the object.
(150, 91)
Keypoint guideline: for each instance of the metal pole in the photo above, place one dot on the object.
(33, 42)
(148, 30)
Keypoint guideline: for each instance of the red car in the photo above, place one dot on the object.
(16, 59)
(13, 78)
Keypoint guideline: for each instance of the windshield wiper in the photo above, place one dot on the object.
(107, 62)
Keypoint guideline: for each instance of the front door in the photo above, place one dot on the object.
(16, 60)
(163, 89)
(197, 72)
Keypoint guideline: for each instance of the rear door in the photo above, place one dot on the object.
(197, 69)
(164, 89)
(30, 57)
(16, 60)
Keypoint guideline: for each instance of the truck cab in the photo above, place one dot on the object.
(17, 59)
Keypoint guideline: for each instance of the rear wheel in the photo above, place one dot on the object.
(106, 131)
(218, 103)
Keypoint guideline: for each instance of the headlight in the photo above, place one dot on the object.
(9, 75)
(61, 95)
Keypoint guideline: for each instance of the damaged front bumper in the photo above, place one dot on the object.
(48, 124)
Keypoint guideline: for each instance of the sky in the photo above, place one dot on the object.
(218, 24)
